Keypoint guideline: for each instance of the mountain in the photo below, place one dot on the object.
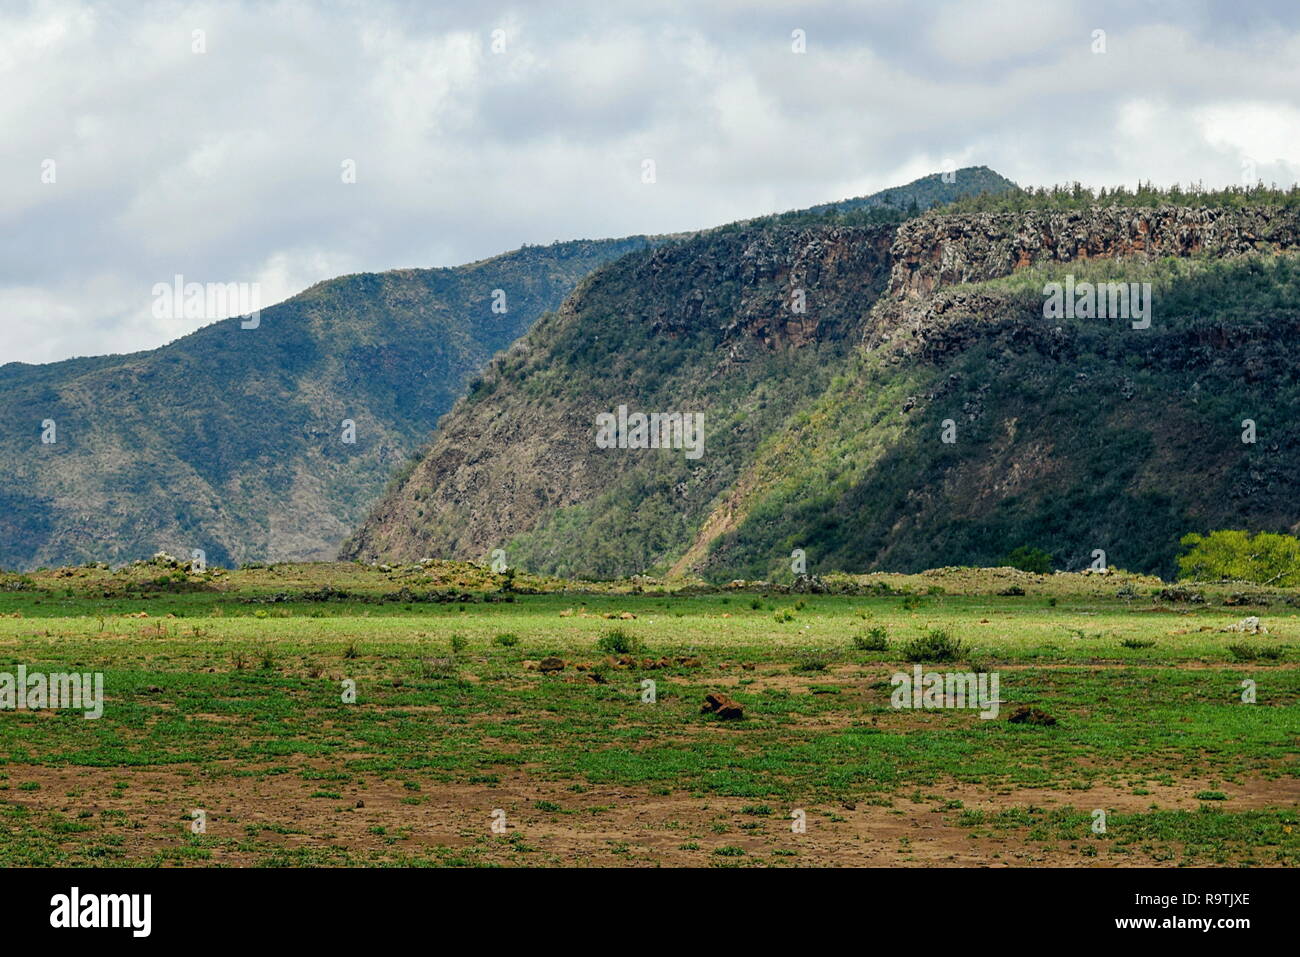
(921, 410)
(922, 194)
(231, 440)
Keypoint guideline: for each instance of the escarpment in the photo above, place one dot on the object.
(934, 251)
(741, 325)
(881, 397)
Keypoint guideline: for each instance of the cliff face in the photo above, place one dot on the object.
(1066, 435)
(742, 325)
(824, 427)
(935, 251)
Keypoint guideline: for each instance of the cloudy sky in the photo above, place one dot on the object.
(222, 155)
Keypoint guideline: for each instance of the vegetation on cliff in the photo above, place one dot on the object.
(922, 412)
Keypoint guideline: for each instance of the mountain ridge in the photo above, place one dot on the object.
(926, 309)
(229, 439)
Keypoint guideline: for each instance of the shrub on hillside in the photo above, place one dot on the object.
(1029, 559)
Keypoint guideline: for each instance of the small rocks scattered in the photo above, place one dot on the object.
(1248, 626)
(652, 664)
(609, 615)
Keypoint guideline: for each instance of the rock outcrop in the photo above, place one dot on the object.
(934, 251)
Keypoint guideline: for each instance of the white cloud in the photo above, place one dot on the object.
(978, 32)
(225, 166)
(1262, 136)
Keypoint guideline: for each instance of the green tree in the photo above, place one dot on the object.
(1265, 558)
(1029, 559)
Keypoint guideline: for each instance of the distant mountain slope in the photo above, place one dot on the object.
(230, 439)
(924, 193)
(825, 429)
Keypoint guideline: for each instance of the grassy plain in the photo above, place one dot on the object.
(224, 692)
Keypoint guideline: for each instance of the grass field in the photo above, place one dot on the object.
(224, 691)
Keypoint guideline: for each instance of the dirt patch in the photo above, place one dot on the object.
(377, 819)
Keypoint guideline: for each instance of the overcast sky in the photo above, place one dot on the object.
(227, 165)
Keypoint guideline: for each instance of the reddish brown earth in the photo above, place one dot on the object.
(601, 826)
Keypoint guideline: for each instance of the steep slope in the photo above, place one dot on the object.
(824, 430)
(715, 323)
(231, 439)
(702, 326)
(1069, 434)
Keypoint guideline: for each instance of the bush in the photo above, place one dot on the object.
(618, 642)
(437, 667)
(876, 639)
(1252, 652)
(1265, 558)
(783, 614)
(1029, 559)
(935, 645)
(507, 640)
(458, 644)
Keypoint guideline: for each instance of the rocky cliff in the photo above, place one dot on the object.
(709, 324)
(828, 429)
(934, 251)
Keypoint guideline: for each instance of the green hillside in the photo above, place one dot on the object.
(1070, 436)
(972, 184)
(824, 429)
(230, 440)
